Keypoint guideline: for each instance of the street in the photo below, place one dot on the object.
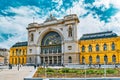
(14, 74)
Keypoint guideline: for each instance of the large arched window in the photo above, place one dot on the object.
(114, 59)
(83, 48)
(105, 59)
(105, 47)
(113, 46)
(90, 48)
(70, 59)
(90, 59)
(51, 43)
(97, 47)
(98, 59)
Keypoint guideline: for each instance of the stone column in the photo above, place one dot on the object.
(38, 60)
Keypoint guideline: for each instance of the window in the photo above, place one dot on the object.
(83, 60)
(90, 59)
(114, 59)
(97, 47)
(113, 46)
(52, 41)
(32, 37)
(90, 48)
(70, 59)
(105, 59)
(83, 48)
(22, 60)
(105, 47)
(69, 47)
(98, 59)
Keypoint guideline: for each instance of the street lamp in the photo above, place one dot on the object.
(104, 70)
(85, 71)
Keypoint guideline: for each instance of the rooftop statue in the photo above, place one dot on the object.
(50, 18)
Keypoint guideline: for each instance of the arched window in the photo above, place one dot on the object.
(90, 59)
(32, 37)
(113, 46)
(51, 43)
(22, 60)
(98, 59)
(90, 48)
(97, 47)
(105, 59)
(83, 48)
(83, 60)
(12, 60)
(105, 47)
(70, 59)
(114, 59)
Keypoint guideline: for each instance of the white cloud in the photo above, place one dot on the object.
(17, 24)
(89, 25)
(60, 2)
(107, 3)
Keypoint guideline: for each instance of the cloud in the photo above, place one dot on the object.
(16, 25)
(94, 15)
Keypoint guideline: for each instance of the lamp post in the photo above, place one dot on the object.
(104, 70)
(85, 71)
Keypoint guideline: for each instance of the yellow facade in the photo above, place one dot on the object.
(18, 55)
(98, 57)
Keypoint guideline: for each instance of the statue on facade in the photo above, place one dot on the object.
(70, 31)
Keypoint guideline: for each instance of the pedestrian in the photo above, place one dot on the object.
(34, 66)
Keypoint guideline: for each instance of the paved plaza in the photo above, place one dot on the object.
(14, 74)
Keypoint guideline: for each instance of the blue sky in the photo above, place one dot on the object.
(94, 16)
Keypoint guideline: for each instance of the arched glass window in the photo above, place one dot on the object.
(90, 59)
(97, 47)
(90, 48)
(105, 59)
(70, 59)
(105, 47)
(114, 59)
(32, 37)
(113, 46)
(98, 59)
(51, 43)
(83, 48)
(83, 60)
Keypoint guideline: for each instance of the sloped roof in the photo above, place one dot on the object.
(107, 34)
(19, 44)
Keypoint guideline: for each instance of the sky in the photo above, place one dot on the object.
(94, 16)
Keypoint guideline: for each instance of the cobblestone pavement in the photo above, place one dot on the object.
(14, 74)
